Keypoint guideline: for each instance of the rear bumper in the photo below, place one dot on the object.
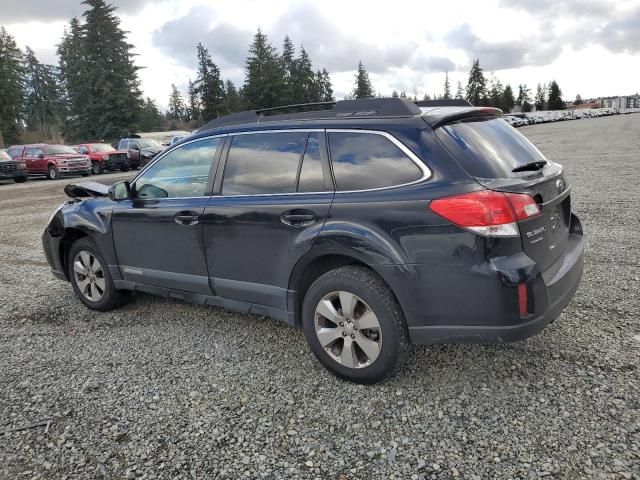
(480, 305)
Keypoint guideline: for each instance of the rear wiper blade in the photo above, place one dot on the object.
(531, 166)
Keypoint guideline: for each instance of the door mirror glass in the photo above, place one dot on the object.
(120, 191)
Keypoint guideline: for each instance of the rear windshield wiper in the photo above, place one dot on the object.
(531, 166)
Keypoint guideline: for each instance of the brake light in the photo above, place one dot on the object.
(486, 212)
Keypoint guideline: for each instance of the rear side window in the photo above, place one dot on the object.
(488, 148)
(312, 178)
(362, 161)
(263, 163)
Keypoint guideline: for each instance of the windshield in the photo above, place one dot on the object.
(151, 144)
(488, 148)
(58, 150)
(102, 147)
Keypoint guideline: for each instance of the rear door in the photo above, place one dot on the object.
(274, 193)
(158, 233)
(502, 159)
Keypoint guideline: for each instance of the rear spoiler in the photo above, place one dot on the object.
(437, 117)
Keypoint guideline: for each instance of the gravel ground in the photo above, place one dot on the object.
(161, 389)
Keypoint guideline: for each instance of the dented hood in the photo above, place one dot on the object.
(86, 189)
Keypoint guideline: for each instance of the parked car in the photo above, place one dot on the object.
(140, 150)
(54, 161)
(175, 139)
(370, 225)
(12, 169)
(104, 157)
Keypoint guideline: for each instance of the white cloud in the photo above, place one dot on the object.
(590, 47)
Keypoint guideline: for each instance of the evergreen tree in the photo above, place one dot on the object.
(193, 108)
(304, 80)
(447, 87)
(11, 89)
(496, 93)
(42, 102)
(263, 85)
(477, 85)
(234, 100)
(73, 81)
(460, 91)
(508, 101)
(209, 86)
(326, 89)
(289, 70)
(112, 98)
(177, 108)
(578, 100)
(539, 98)
(394, 94)
(150, 117)
(427, 97)
(555, 97)
(524, 98)
(363, 88)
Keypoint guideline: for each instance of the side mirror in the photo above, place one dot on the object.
(41, 155)
(120, 191)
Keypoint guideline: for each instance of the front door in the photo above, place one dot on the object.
(272, 200)
(158, 233)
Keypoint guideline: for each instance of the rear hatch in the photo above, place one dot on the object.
(502, 159)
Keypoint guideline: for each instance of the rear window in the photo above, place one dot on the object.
(488, 148)
(363, 161)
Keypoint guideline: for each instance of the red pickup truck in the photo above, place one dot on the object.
(54, 161)
(104, 157)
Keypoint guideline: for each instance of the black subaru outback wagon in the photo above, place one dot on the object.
(370, 224)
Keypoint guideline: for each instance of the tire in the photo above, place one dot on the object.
(92, 285)
(386, 344)
(96, 168)
(86, 174)
(20, 179)
(124, 168)
(53, 173)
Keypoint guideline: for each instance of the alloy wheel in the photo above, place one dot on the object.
(89, 275)
(348, 329)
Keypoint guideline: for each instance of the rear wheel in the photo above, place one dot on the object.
(53, 173)
(354, 325)
(125, 167)
(90, 277)
(96, 167)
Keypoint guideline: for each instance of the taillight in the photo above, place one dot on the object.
(488, 213)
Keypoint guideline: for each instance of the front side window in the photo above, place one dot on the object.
(363, 161)
(30, 152)
(183, 172)
(263, 163)
(15, 152)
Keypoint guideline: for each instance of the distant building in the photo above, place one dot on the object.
(621, 103)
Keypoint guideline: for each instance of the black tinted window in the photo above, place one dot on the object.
(365, 160)
(263, 163)
(488, 148)
(311, 174)
(183, 172)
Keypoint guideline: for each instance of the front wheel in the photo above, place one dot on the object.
(354, 325)
(96, 167)
(90, 277)
(53, 173)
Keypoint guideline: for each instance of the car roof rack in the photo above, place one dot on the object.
(444, 102)
(360, 108)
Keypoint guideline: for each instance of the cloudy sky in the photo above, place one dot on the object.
(590, 47)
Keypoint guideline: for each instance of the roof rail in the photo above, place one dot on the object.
(444, 102)
(366, 107)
